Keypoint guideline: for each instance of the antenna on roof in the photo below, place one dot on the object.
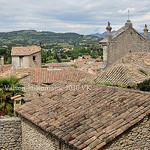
(128, 13)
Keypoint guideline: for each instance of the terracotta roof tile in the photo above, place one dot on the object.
(39, 75)
(125, 71)
(24, 51)
(90, 119)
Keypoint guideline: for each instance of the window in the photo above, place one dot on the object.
(34, 58)
(21, 62)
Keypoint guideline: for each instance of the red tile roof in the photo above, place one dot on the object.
(126, 71)
(47, 75)
(17, 73)
(43, 75)
(24, 51)
(87, 119)
(5, 68)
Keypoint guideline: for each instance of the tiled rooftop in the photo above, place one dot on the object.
(17, 73)
(125, 72)
(44, 75)
(57, 65)
(87, 119)
(24, 51)
(4, 68)
(39, 76)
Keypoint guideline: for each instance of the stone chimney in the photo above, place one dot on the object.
(108, 35)
(128, 24)
(146, 31)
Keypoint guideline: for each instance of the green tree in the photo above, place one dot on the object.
(8, 88)
(57, 57)
(43, 56)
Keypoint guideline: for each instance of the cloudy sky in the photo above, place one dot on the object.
(80, 16)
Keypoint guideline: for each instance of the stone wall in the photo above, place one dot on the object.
(136, 138)
(128, 41)
(31, 90)
(34, 138)
(10, 133)
(37, 62)
(27, 61)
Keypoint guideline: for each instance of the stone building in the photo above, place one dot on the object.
(10, 133)
(122, 42)
(39, 80)
(88, 65)
(131, 70)
(26, 57)
(96, 118)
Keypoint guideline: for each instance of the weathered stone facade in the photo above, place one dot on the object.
(26, 57)
(31, 90)
(123, 42)
(10, 133)
(129, 41)
(135, 138)
(34, 138)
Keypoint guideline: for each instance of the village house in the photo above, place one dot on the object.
(96, 118)
(72, 115)
(58, 65)
(122, 42)
(131, 70)
(88, 65)
(26, 57)
(35, 80)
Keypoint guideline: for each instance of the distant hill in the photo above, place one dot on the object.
(32, 37)
(102, 35)
(148, 34)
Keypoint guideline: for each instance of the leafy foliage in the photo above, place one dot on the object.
(75, 66)
(6, 53)
(94, 51)
(51, 43)
(143, 71)
(32, 37)
(8, 87)
(144, 86)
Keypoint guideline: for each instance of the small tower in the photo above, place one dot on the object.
(128, 24)
(145, 31)
(108, 28)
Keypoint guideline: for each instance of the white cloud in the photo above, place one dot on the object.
(86, 16)
(125, 11)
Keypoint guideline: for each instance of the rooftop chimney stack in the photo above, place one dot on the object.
(145, 31)
(108, 28)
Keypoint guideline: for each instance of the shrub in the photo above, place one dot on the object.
(9, 87)
(75, 66)
(144, 72)
(144, 86)
(106, 83)
(52, 61)
(65, 60)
